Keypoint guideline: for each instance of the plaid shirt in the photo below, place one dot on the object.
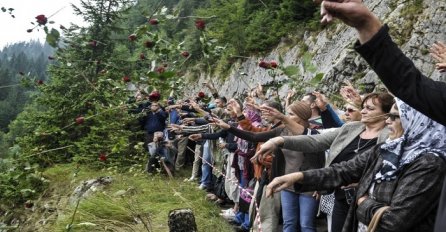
(413, 197)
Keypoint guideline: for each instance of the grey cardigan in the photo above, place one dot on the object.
(335, 140)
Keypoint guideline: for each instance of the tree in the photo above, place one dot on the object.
(86, 81)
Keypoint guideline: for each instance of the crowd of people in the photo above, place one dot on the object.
(376, 162)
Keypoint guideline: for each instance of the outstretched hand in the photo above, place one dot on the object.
(272, 112)
(321, 101)
(441, 67)
(267, 148)
(290, 94)
(351, 95)
(353, 13)
(175, 128)
(235, 107)
(222, 124)
(438, 52)
(280, 183)
(195, 137)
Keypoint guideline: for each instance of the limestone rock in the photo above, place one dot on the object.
(89, 186)
(333, 55)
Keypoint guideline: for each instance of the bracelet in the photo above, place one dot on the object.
(241, 117)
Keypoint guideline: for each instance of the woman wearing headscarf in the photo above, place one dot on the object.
(405, 173)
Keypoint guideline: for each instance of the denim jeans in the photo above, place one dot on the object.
(206, 169)
(242, 219)
(299, 211)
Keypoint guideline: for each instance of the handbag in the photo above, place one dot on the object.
(327, 203)
(375, 219)
(219, 187)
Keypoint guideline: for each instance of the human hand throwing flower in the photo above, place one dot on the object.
(222, 124)
(267, 148)
(280, 183)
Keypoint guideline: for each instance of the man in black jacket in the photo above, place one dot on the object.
(395, 70)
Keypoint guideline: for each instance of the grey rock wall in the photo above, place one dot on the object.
(333, 54)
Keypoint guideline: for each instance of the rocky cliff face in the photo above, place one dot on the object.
(415, 25)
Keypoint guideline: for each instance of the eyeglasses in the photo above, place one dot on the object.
(392, 117)
(350, 110)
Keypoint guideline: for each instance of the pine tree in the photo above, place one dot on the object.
(86, 81)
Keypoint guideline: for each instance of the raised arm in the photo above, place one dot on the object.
(255, 136)
(395, 70)
(402, 78)
(338, 175)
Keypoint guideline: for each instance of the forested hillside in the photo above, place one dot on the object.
(78, 96)
(22, 66)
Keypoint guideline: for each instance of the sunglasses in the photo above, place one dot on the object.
(392, 117)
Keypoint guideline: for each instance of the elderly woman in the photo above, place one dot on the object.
(405, 173)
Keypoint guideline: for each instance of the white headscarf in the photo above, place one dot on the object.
(421, 135)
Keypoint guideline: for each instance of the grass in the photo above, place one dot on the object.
(134, 201)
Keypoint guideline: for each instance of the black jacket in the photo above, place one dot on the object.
(412, 196)
(405, 81)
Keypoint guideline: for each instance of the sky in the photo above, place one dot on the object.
(25, 11)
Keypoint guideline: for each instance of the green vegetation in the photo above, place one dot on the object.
(79, 120)
(133, 201)
(409, 16)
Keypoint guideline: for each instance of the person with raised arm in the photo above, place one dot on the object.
(344, 143)
(298, 210)
(395, 69)
(399, 181)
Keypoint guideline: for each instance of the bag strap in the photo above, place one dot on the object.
(376, 218)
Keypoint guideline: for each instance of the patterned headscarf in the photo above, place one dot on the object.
(421, 135)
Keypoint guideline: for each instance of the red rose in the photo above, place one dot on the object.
(40, 82)
(142, 56)
(41, 19)
(185, 54)
(160, 69)
(201, 95)
(132, 37)
(103, 157)
(126, 79)
(80, 120)
(273, 64)
(153, 21)
(200, 24)
(264, 64)
(28, 204)
(154, 96)
(93, 43)
(149, 44)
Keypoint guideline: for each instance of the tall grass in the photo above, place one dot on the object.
(134, 201)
